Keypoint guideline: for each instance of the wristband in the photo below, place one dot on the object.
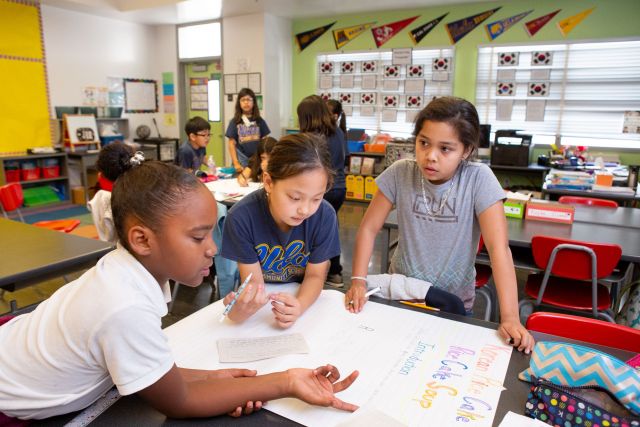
(359, 278)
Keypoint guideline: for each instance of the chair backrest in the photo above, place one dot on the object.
(11, 196)
(585, 329)
(575, 264)
(589, 201)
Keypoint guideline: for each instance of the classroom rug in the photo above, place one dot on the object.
(62, 213)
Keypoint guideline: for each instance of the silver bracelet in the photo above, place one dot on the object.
(359, 277)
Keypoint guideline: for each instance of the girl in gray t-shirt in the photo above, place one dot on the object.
(444, 202)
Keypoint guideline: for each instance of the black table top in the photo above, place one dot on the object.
(132, 410)
(31, 254)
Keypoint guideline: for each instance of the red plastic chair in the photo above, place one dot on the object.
(589, 201)
(483, 278)
(11, 198)
(586, 329)
(570, 280)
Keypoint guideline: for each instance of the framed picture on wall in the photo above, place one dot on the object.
(140, 96)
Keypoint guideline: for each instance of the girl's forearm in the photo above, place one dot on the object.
(504, 276)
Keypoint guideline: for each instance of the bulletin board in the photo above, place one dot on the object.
(24, 98)
(141, 96)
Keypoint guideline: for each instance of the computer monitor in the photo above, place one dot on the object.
(484, 146)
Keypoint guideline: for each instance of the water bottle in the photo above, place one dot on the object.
(211, 165)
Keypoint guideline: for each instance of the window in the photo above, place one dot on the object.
(381, 99)
(199, 41)
(587, 87)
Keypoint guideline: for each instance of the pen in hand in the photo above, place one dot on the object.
(369, 293)
(235, 298)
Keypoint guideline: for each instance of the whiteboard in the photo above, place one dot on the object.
(141, 96)
(78, 124)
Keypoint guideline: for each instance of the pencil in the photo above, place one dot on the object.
(419, 305)
(235, 298)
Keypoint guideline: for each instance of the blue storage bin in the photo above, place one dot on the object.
(355, 146)
(104, 140)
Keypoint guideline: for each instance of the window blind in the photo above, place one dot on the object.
(590, 87)
(403, 125)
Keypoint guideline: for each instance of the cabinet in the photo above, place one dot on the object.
(52, 171)
(363, 167)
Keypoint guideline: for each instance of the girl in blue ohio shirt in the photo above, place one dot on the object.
(284, 232)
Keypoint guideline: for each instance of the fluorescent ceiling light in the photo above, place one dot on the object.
(199, 10)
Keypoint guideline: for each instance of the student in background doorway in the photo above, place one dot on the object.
(191, 153)
(285, 232)
(444, 202)
(105, 327)
(245, 129)
(314, 117)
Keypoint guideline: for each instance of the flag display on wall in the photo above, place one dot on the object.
(542, 58)
(505, 89)
(496, 28)
(384, 33)
(418, 33)
(534, 26)
(460, 28)
(441, 64)
(342, 36)
(568, 24)
(369, 66)
(538, 88)
(508, 58)
(305, 38)
(415, 71)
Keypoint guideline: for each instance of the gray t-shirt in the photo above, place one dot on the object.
(435, 245)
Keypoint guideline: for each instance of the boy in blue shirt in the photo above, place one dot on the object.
(191, 153)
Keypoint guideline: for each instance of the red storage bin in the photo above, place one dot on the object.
(12, 175)
(30, 174)
(50, 171)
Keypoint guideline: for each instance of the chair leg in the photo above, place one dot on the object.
(521, 306)
(487, 298)
(606, 316)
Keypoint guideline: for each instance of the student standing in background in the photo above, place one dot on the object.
(245, 129)
(314, 117)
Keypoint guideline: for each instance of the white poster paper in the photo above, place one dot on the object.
(367, 111)
(390, 85)
(401, 56)
(504, 108)
(242, 81)
(346, 81)
(540, 74)
(347, 109)
(410, 115)
(440, 76)
(414, 86)
(389, 115)
(326, 81)
(255, 82)
(506, 74)
(369, 81)
(535, 110)
(230, 85)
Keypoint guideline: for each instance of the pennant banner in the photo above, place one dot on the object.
(306, 38)
(343, 36)
(460, 28)
(498, 27)
(534, 26)
(418, 33)
(566, 25)
(384, 33)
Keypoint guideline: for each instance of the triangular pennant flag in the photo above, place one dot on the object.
(343, 36)
(498, 27)
(306, 38)
(566, 25)
(460, 28)
(418, 33)
(384, 33)
(534, 26)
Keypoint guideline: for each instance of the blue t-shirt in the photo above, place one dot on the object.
(189, 157)
(337, 147)
(251, 235)
(247, 137)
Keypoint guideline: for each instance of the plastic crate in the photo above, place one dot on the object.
(38, 196)
(104, 140)
(30, 174)
(50, 171)
(355, 146)
(12, 175)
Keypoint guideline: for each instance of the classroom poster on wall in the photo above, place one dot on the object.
(141, 96)
(536, 25)
(568, 24)
(305, 38)
(199, 98)
(168, 93)
(460, 28)
(386, 32)
(418, 33)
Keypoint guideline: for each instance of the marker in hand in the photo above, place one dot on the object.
(235, 298)
(369, 293)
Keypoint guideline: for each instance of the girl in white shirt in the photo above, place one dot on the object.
(105, 327)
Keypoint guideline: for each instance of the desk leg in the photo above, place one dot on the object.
(384, 257)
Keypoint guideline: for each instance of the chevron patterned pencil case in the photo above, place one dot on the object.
(576, 366)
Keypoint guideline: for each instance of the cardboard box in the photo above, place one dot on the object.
(545, 210)
(604, 178)
(358, 188)
(77, 196)
(370, 188)
(515, 203)
(350, 183)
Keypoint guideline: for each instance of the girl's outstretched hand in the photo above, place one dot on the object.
(356, 294)
(516, 335)
(318, 386)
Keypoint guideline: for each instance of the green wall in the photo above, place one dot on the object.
(610, 19)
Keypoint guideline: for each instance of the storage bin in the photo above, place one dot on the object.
(37, 196)
(355, 146)
(375, 148)
(104, 140)
(12, 170)
(29, 170)
(50, 171)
